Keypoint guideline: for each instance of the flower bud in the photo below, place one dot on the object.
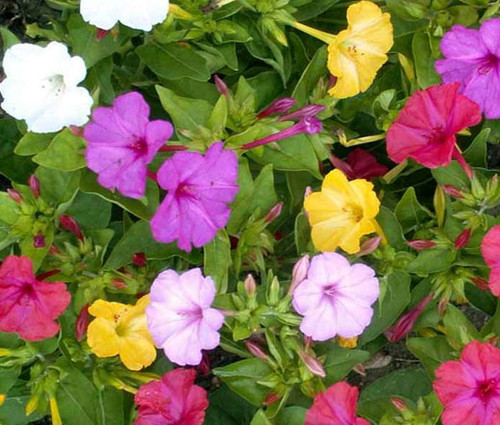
(480, 283)
(221, 87)
(2, 398)
(205, 365)
(256, 351)
(443, 303)
(46, 275)
(463, 238)
(313, 364)
(118, 283)
(250, 285)
(271, 399)
(399, 404)
(76, 131)
(15, 195)
(421, 244)
(39, 241)
(100, 34)
(452, 191)
(279, 106)
(139, 259)
(54, 412)
(274, 212)
(304, 112)
(82, 322)
(369, 246)
(299, 273)
(69, 223)
(54, 250)
(34, 185)
(31, 405)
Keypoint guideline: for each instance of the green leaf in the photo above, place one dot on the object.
(260, 418)
(453, 175)
(392, 228)
(8, 378)
(424, 64)
(292, 415)
(409, 212)
(432, 352)
(340, 361)
(432, 261)
(37, 255)
(227, 408)
(8, 38)
(57, 187)
(174, 61)
(459, 330)
(217, 260)
(243, 376)
(309, 79)
(66, 152)
(396, 298)
(33, 143)
(477, 151)
(9, 209)
(12, 411)
(90, 211)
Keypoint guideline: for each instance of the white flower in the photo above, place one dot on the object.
(41, 87)
(138, 14)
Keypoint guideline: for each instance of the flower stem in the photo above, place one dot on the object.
(152, 175)
(173, 148)
(320, 35)
(461, 160)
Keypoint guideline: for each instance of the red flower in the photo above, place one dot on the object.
(28, 306)
(426, 127)
(174, 400)
(490, 248)
(469, 388)
(359, 164)
(337, 405)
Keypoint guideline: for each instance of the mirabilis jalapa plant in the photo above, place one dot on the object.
(233, 211)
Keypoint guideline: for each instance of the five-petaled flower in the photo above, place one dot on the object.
(490, 249)
(42, 87)
(29, 306)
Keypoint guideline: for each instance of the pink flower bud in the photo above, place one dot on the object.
(76, 131)
(407, 321)
(279, 106)
(274, 212)
(34, 185)
(39, 241)
(421, 244)
(46, 275)
(82, 322)
(480, 283)
(463, 238)
(250, 285)
(69, 223)
(118, 283)
(139, 259)
(221, 87)
(369, 246)
(304, 112)
(271, 399)
(443, 303)
(256, 350)
(100, 34)
(54, 250)
(205, 365)
(399, 404)
(299, 273)
(452, 191)
(313, 364)
(15, 195)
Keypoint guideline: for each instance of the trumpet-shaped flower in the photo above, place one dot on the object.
(42, 87)
(426, 127)
(359, 164)
(180, 316)
(200, 187)
(174, 400)
(28, 306)
(335, 298)
(469, 388)
(122, 142)
(472, 58)
(141, 15)
(490, 248)
(121, 329)
(335, 406)
(342, 212)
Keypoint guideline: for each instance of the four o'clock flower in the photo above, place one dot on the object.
(141, 15)
(279, 106)
(42, 87)
(359, 164)
(122, 142)
(335, 298)
(200, 187)
(181, 318)
(490, 249)
(472, 58)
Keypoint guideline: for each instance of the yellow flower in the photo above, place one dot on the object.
(358, 52)
(121, 329)
(2, 398)
(342, 213)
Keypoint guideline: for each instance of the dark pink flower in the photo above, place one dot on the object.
(279, 106)
(174, 400)
(200, 187)
(426, 127)
(469, 388)
(28, 306)
(490, 248)
(463, 238)
(359, 164)
(69, 223)
(337, 405)
(122, 142)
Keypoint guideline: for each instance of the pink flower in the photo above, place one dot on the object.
(199, 191)
(335, 406)
(469, 388)
(359, 164)
(28, 306)
(174, 400)
(122, 142)
(426, 127)
(180, 318)
(335, 298)
(490, 248)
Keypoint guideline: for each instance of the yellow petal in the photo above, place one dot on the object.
(102, 338)
(137, 352)
(336, 181)
(325, 238)
(108, 310)
(365, 197)
(2, 398)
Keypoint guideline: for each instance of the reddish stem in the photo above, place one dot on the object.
(173, 148)
(461, 160)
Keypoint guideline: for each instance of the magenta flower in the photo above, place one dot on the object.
(180, 318)
(469, 388)
(199, 191)
(122, 142)
(279, 106)
(490, 249)
(335, 298)
(472, 58)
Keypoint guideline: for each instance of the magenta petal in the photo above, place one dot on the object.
(490, 31)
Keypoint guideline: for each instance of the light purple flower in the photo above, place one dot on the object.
(472, 58)
(180, 317)
(335, 298)
(122, 142)
(199, 191)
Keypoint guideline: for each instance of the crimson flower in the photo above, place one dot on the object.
(359, 164)
(490, 248)
(28, 306)
(174, 400)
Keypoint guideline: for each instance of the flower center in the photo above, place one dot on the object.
(330, 290)
(354, 210)
(54, 85)
(140, 146)
(490, 62)
(487, 389)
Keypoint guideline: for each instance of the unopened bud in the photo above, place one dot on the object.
(76, 131)
(369, 246)
(205, 366)
(118, 283)
(313, 364)
(256, 351)
(306, 111)
(15, 195)
(69, 223)
(39, 241)
(139, 259)
(82, 322)
(46, 275)
(452, 191)
(54, 250)
(271, 399)
(34, 185)
(250, 285)
(463, 238)
(421, 244)
(480, 283)
(31, 405)
(221, 87)
(54, 412)
(399, 404)
(360, 369)
(279, 106)
(274, 212)
(443, 303)
(299, 273)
